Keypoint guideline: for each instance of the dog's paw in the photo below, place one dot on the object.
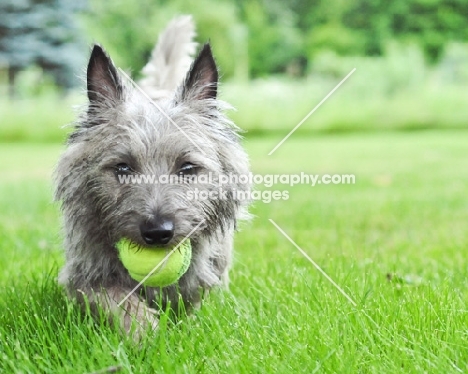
(137, 319)
(130, 314)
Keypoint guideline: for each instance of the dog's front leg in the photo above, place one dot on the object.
(129, 313)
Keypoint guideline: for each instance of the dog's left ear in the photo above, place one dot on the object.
(202, 79)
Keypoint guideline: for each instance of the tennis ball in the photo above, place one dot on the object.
(140, 261)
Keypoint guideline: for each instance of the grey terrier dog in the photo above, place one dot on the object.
(181, 131)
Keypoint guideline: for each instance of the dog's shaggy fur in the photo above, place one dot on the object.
(122, 132)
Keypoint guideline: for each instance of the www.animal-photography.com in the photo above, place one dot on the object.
(233, 186)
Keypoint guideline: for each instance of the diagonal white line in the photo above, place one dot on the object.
(311, 112)
(378, 327)
(160, 109)
(319, 365)
(314, 263)
(160, 264)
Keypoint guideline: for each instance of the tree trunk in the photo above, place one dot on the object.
(11, 82)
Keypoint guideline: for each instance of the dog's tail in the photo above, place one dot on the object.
(171, 57)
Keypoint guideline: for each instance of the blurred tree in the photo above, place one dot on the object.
(129, 32)
(429, 23)
(365, 27)
(41, 32)
(258, 36)
(125, 29)
(325, 28)
(274, 41)
(276, 36)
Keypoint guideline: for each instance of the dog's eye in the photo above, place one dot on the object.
(187, 169)
(123, 168)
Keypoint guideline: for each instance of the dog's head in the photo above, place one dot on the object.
(119, 169)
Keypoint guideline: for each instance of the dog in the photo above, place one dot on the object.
(170, 124)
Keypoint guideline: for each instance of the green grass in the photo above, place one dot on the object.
(367, 102)
(363, 103)
(43, 119)
(405, 218)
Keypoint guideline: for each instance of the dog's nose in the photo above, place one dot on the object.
(157, 232)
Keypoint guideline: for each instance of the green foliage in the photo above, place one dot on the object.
(229, 38)
(125, 31)
(129, 33)
(248, 38)
(396, 91)
(336, 38)
(259, 38)
(251, 38)
(273, 40)
(429, 23)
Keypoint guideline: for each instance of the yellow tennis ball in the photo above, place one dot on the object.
(141, 261)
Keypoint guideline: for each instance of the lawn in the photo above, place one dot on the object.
(395, 242)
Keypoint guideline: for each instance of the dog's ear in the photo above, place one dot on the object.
(202, 79)
(103, 82)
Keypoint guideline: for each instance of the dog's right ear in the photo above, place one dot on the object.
(103, 82)
(202, 79)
